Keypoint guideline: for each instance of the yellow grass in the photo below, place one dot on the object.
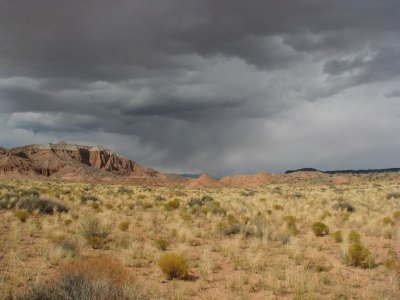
(269, 252)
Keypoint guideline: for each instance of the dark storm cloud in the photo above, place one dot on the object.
(197, 85)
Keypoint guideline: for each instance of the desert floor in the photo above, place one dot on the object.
(238, 243)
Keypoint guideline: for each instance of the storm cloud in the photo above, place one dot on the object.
(203, 85)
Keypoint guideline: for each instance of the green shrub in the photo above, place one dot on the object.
(337, 236)
(396, 215)
(358, 255)
(94, 231)
(174, 266)
(278, 207)
(22, 215)
(354, 237)
(320, 229)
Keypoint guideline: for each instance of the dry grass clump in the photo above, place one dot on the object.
(291, 222)
(387, 221)
(320, 229)
(91, 278)
(172, 204)
(22, 215)
(337, 236)
(174, 266)
(94, 231)
(344, 206)
(354, 237)
(124, 225)
(161, 244)
(358, 255)
(86, 198)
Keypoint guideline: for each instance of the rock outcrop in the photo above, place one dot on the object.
(70, 161)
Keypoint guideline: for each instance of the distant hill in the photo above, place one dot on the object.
(367, 171)
(190, 175)
(96, 164)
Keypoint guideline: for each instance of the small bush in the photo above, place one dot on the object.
(67, 222)
(230, 229)
(231, 219)
(69, 247)
(214, 207)
(320, 229)
(387, 221)
(124, 225)
(97, 278)
(43, 206)
(354, 237)
(124, 190)
(29, 193)
(146, 205)
(248, 193)
(358, 255)
(337, 236)
(172, 205)
(325, 215)
(291, 222)
(391, 261)
(94, 232)
(278, 207)
(161, 244)
(199, 201)
(396, 215)
(174, 266)
(159, 198)
(394, 195)
(86, 198)
(22, 215)
(344, 206)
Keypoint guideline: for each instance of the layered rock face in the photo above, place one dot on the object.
(48, 160)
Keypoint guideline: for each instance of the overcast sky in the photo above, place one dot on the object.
(216, 86)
